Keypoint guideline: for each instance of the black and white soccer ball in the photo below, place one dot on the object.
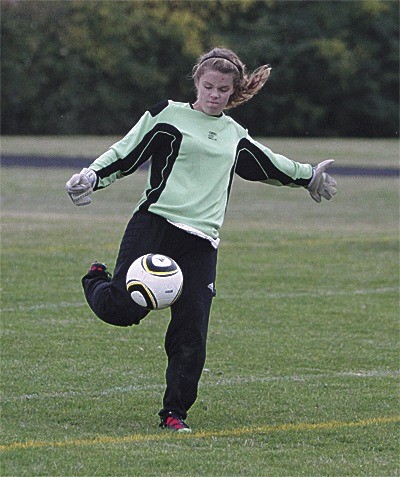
(154, 281)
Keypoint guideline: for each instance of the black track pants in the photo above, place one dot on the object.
(185, 341)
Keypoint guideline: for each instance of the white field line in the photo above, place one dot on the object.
(313, 294)
(234, 381)
(317, 293)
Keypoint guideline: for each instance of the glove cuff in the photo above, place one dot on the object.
(315, 179)
(90, 175)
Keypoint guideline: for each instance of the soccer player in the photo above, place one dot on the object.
(194, 150)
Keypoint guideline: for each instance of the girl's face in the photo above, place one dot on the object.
(213, 92)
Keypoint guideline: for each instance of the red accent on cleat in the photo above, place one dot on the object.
(174, 423)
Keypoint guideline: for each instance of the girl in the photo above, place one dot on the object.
(194, 151)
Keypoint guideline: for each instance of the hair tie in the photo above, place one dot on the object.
(222, 58)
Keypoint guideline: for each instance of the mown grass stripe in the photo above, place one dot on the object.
(206, 383)
(143, 438)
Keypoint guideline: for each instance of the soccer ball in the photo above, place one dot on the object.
(154, 281)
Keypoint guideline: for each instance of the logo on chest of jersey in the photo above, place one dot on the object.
(212, 135)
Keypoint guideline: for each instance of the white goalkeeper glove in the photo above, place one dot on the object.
(322, 184)
(80, 186)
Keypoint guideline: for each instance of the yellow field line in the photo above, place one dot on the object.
(166, 435)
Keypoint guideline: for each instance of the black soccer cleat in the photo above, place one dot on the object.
(98, 269)
(175, 423)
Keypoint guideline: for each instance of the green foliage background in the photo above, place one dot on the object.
(93, 67)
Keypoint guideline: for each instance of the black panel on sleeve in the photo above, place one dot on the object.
(160, 143)
(164, 152)
(157, 108)
(254, 165)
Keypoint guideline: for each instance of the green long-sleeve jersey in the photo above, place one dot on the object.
(193, 158)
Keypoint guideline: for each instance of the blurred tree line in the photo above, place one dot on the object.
(94, 67)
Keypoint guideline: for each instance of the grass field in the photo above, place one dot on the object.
(302, 369)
